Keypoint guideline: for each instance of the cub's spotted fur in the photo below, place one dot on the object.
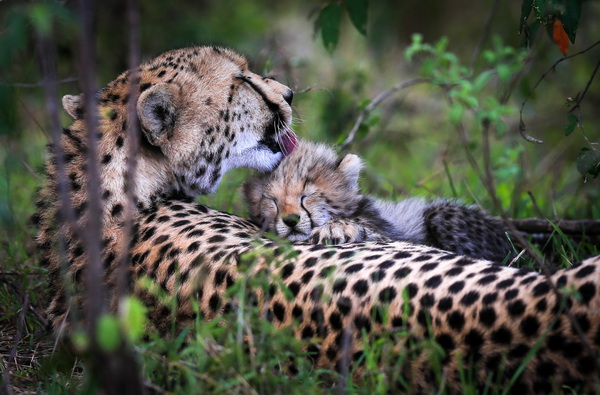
(203, 112)
(314, 195)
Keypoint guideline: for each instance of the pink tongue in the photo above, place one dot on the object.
(289, 142)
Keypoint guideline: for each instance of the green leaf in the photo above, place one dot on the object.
(525, 11)
(108, 335)
(455, 113)
(358, 11)
(132, 315)
(504, 73)
(588, 162)
(570, 18)
(572, 122)
(329, 21)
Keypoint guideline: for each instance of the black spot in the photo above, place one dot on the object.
(193, 247)
(572, 349)
(214, 302)
(454, 271)
(362, 322)
(346, 254)
(433, 282)
(456, 287)
(583, 322)
(335, 321)
(411, 290)
(297, 312)
(490, 298)
(119, 141)
(587, 292)
(446, 342)
(518, 351)
(387, 295)
(511, 294)
(307, 276)
(402, 255)
(220, 276)
(307, 333)
(530, 326)
(474, 341)
(402, 272)
(344, 304)
(556, 342)
(516, 308)
(354, 268)
(456, 320)
(541, 305)
(339, 285)
(326, 271)
(294, 288)
(469, 298)
(487, 317)
(279, 311)
(502, 336)
(505, 283)
(378, 275)
(162, 72)
(546, 369)
(490, 278)
(427, 300)
(146, 85)
(585, 271)
(445, 304)
(429, 266)
(161, 239)
(287, 270)
(106, 158)
(360, 287)
(310, 262)
(216, 239)
(541, 289)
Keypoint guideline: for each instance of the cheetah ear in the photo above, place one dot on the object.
(350, 166)
(73, 105)
(157, 111)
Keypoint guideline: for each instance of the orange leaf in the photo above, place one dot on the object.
(560, 36)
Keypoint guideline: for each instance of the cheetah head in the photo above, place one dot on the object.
(202, 112)
(310, 187)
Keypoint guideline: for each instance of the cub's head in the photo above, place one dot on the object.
(202, 112)
(310, 187)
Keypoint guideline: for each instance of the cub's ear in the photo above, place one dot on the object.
(157, 111)
(351, 166)
(73, 105)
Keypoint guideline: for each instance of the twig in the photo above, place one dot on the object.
(538, 225)
(91, 233)
(522, 127)
(6, 387)
(37, 84)
(375, 102)
(484, 35)
(587, 86)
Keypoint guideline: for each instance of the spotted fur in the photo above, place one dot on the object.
(314, 195)
(486, 316)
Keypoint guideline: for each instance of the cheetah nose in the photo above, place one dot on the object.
(288, 96)
(291, 220)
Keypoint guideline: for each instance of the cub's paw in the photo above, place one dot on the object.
(338, 232)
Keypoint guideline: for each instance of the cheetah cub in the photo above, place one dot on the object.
(314, 195)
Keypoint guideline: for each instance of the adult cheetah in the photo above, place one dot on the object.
(202, 113)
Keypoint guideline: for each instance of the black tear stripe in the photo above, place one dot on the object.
(274, 108)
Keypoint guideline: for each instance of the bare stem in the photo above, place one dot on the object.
(375, 102)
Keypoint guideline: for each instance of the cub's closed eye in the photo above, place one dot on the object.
(269, 77)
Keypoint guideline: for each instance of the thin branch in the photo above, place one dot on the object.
(484, 35)
(133, 21)
(36, 84)
(91, 233)
(522, 127)
(375, 102)
(587, 86)
(575, 227)
(6, 387)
